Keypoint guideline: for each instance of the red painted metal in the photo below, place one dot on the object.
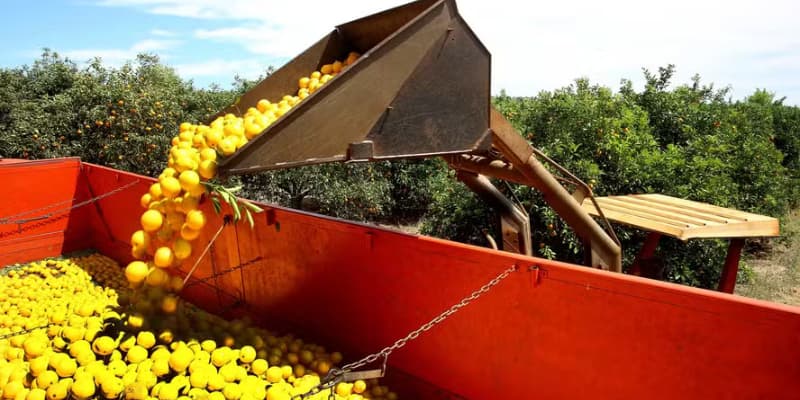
(33, 190)
(647, 251)
(556, 331)
(727, 282)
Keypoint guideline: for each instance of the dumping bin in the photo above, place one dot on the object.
(420, 88)
(548, 330)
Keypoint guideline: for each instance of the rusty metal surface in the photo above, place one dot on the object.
(604, 251)
(515, 228)
(421, 88)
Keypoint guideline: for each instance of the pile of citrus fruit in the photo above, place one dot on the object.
(172, 220)
(84, 328)
(85, 336)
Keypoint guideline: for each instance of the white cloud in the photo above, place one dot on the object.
(117, 57)
(544, 45)
(250, 68)
(162, 33)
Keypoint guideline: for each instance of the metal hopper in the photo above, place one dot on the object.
(421, 88)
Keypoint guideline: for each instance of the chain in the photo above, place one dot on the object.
(205, 251)
(12, 219)
(22, 332)
(7, 220)
(227, 271)
(336, 374)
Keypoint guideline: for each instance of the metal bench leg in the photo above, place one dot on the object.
(727, 281)
(647, 251)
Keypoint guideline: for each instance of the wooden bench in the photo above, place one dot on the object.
(684, 220)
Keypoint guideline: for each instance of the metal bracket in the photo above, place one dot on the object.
(361, 151)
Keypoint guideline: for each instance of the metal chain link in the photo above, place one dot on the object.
(227, 271)
(7, 220)
(12, 219)
(205, 251)
(24, 331)
(335, 375)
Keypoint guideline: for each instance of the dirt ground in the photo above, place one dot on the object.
(776, 273)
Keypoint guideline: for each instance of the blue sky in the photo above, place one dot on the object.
(535, 45)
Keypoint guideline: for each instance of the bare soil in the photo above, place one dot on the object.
(776, 272)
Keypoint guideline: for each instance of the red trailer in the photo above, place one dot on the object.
(484, 323)
(545, 330)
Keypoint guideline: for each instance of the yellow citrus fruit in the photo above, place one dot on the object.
(136, 271)
(247, 354)
(38, 365)
(232, 391)
(180, 359)
(160, 367)
(112, 387)
(163, 257)
(359, 386)
(66, 367)
(208, 345)
(208, 154)
(157, 277)
(337, 67)
(170, 187)
(83, 388)
(188, 180)
(207, 169)
(103, 345)
(195, 219)
(175, 283)
(141, 239)
(344, 389)
(181, 248)
(136, 354)
(274, 374)
(155, 191)
(227, 145)
(11, 389)
(34, 347)
(146, 339)
(169, 304)
(188, 233)
(36, 394)
(145, 200)
(151, 220)
(46, 379)
(259, 366)
(57, 391)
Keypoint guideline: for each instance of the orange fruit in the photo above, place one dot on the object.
(136, 271)
(170, 187)
(151, 220)
(155, 191)
(359, 386)
(302, 83)
(195, 219)
(189, 202)
(188, 233)
(188, 180)
(145, 200)
(163, 257)
(208, 169)
(157, 277)
(181, 249)
(227, 146)
(140, 238)
(208, 154)
(262, 105)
